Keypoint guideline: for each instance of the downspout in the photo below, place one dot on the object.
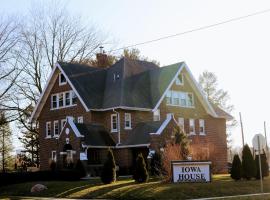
(118, 127)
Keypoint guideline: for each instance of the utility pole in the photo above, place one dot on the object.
(242, 131)
(265, 136)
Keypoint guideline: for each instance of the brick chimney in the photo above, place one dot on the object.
(102, 58)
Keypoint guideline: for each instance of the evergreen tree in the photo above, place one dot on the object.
(182, 140)
(248, 163)
(108, 174)
(140, 174)
(156, 164)
(5, 143)
(236, 171)
(264, 165)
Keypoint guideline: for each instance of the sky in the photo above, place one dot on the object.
(237, 52)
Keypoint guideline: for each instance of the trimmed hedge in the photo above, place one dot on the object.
(21, 177)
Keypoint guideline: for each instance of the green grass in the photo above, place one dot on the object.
(221, 185)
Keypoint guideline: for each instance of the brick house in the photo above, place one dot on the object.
(130, 107)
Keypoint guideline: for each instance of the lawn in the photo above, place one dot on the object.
(125, 188)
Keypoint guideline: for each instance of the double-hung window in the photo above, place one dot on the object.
(190, 101)
(175, 98)
(67, 99)
(183, 101)
(74, 98)
(191, 126)
(127, 121)
(114, 123)
(54, 101)
(169, 97)
(56, 128)
(156, 115)
(48, 129)
(54, 156)
(202, 127)
(61, 99)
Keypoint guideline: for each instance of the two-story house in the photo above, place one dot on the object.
(130, 107)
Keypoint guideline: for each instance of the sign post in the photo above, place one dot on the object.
(258, 144)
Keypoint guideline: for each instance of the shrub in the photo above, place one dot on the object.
(236, 170)
(53, 165)
(248, 163)
(80, 168)
(140, 173)
(264, 165)
(108, 174)
(156, 164)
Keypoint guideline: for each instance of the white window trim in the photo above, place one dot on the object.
(63, 123)
(114, 130)
(179, 99)
(183, 120)
(59, 79)
(48, 136)
(128, 127)
(158, 116)
(202, 124)
(52, 157)
(54, 123)
(192, 133)
(80, 120)
(181, 83)
(64, 100)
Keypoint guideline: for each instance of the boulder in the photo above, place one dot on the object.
(38, 188)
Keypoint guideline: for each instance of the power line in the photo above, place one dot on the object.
(194, 30)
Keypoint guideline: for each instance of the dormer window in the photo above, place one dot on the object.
(62, 79)
(179, 80)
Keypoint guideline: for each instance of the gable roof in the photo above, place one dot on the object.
(128, 84)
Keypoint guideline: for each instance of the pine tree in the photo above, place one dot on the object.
(108, 174)
(182, 140)
(140, 174)
(248, 163)
(5, 143)
(236, 171)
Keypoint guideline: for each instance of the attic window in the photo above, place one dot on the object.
(62, 79)
(179, 80)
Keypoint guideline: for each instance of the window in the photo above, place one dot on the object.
(48, 129)
(56, 128)
(191, 126)
(169, 97)
(179, 80)
(74, 98)
(80, 119)
(54, 156)
(182, 99)
(202, 129)
(61, 99)
(63, 122)
(67, 99)
(156, 115)
(127, 121)
(190, 101)
(114, 123)
(62, 79)
(181, 122)
(54, 101)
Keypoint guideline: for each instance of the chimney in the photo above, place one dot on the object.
(102, 58)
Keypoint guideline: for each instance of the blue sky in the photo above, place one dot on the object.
(238, 52)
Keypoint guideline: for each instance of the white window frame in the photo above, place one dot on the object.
(63, 122)
(181, 122)
(71, 93)
(202, 125)
(55, 122)
(128, 119)
(54, 95)
(80, 120)
(178, 82)
(65, 102)
(47, 130)
(176, 98)
(113, 130)
(54, 156)
(192, 123)
(60, 80)
(156, 115)
(190, 106)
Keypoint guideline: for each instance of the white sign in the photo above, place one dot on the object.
(257, 140)
(191, 171)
